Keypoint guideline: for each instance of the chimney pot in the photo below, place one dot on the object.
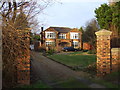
(41, 29)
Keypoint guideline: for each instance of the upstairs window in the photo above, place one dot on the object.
(62, 36)
(50, 35)
(74, 35)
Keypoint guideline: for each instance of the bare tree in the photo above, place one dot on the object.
(89, 32)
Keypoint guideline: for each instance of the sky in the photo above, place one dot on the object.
(70, 13)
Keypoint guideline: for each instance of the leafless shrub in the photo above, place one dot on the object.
(16, 34)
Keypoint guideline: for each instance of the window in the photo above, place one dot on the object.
(50, 35)
(50, 43)
(74, 35)
(75, 44)
(62, 36)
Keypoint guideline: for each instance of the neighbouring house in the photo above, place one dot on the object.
(59, 37)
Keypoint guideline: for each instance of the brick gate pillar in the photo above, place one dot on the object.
(103, 52)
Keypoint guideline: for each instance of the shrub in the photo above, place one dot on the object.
(50, 52)
(91, 69)
(91, 52)
(85, 50)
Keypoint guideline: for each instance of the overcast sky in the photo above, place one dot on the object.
(71, 13)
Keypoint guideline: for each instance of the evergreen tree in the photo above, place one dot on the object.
(108, 17)
(104, 16)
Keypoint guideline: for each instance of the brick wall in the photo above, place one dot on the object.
(87, 46)
(23, 71)
(115, 55)
(37, 45)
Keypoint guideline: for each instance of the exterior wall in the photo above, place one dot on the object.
(68, 35)
(115, 52)
(45, 39)
(37, 45)
(80, 37)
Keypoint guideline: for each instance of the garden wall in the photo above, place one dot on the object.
(87, 46)
(37, 45)
(115, 58)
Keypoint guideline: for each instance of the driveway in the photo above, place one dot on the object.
(51, 72)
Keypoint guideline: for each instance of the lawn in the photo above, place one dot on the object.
(72, 84)
(80, 59)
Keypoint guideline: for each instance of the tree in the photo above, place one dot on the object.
(108, 17)
(116, 18)
(81, 29)
(89, 33)
(104, 16)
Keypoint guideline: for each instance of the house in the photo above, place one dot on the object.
(59, 37)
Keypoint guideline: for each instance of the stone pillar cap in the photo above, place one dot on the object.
(103, 32)
(115, 49)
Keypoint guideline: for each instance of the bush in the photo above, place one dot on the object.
(85, 50)
(91, 52)
(50, 52)
(91, 69)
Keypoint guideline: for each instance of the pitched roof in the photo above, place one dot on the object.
(62, 29)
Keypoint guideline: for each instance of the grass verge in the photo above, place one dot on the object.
(39, 84)
(72, 84)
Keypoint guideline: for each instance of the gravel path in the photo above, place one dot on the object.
(52, 72)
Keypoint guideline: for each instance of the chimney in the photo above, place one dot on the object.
(111, 2)
(42, 35)
(41, 29)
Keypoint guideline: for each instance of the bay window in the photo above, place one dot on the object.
(50, 35)
(75, 44)
(74, 35)
(62, 36)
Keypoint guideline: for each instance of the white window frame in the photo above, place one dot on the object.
(62, 36)
(74, 35)
(49, 43)
(50, 35)
(75, 44)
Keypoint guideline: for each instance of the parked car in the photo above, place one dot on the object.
(69, 49)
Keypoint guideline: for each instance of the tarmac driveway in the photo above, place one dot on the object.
(51, 72)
